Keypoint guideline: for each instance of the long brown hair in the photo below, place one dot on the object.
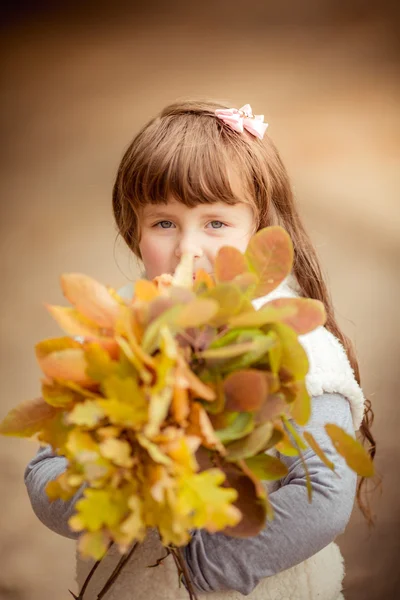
(187, 153)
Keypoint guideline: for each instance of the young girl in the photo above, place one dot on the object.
(197, 177)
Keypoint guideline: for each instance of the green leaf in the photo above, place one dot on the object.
(230, 301)
(266, 467)
(312, 442)
(252, 444)
(265, 315)
(241, 425)
(151, 337)
(198, 312)
(352, 451)
(270, 256)
(260, 346)
(294, 358)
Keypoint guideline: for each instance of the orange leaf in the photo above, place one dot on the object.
(72, 322)
(28, 418)
(309, 313)
(229, 263)
(203, 278)
(91, 298)
(145, 290)
(245, 390)
(270, 256)
(67, 365)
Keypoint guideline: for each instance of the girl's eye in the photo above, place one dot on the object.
(164, 224)
(217, 224)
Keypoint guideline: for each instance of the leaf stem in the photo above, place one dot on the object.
(116, 571)
(89, 577)
(182, 569)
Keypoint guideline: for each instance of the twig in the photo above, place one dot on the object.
(89, 577)
(116, 571)
(183, 570)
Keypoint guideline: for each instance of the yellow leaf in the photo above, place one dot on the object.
(310, 439)
(133, 526)
(210, 504)
(352, 451)
(118, 451)
(201, 426)
(99, 508)
(91, 298)
(87, 413)
(301, 407)
(182, 455)
(93, 544)
(203, 280)
(121, 413)
(59, 396)
(61, 488)
(72, 322)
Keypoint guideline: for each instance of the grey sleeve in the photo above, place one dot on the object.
(44, 467)
(298, 530)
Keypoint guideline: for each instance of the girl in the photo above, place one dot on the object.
(197, 177)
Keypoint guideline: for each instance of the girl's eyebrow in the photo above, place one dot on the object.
(163, 215)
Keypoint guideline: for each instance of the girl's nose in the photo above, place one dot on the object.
(188, 245)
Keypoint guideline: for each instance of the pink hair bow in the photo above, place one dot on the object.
(243, 118)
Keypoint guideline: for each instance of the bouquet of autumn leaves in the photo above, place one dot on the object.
(170, 408)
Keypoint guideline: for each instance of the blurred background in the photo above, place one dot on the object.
(79, 79)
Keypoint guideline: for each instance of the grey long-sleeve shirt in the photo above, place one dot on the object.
(299, 529)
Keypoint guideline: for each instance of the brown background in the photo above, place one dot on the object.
(76, 86)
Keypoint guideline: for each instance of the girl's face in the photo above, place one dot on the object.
(169, 230)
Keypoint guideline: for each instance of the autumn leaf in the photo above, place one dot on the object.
(28, 418)
(312, 442)
(145, 290)
(93, 544)
(86, 414)
(245, 390)
(250, 445)
(118, 451)
(266, 467)
(229, 263)
(352, 451)
(99, 508)
(270, 255)
(210, 504)
(73, 322)
(91, 298)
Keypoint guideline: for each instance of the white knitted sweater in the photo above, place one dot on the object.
(318, 578)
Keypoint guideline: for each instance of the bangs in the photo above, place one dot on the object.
(190, 160)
